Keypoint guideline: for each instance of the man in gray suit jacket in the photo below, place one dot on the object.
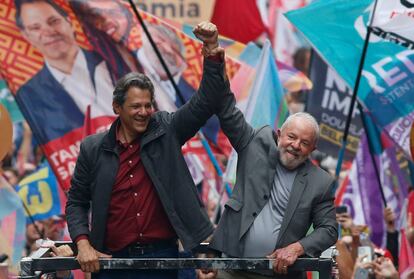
(278, 194)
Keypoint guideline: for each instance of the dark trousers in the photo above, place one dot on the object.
(170, 252)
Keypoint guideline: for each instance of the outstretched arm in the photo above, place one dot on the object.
(214, 85)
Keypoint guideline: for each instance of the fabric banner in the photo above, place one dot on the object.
(285, 38)
(41, 194)
(55, 77)
(12, 222)
(239, 20)
(406, 257)
(7, 100)
(393, 20)
(387, 77)
(329, 102)
(362, 194)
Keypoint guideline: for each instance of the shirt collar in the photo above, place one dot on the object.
(79, 63)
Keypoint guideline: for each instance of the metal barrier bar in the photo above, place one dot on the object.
(39, 261)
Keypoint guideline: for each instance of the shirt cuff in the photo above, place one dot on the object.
(80, 237)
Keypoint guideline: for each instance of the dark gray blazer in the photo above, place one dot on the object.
(310, 202)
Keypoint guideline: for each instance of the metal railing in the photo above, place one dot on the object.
(40, 261)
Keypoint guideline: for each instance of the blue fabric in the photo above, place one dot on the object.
(171, 252)
(48, 107)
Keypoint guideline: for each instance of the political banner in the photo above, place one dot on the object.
(387, 76)
(393, 21)
(329, 103)
(7, 100)
(41, 194)
(12, 222)
(362, 190)
(183, 11)
(91, 44)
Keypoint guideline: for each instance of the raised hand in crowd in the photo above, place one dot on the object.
(384, 269)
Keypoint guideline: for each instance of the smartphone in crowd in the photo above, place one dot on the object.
(367, 252)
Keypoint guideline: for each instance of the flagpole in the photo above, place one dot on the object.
(41, 234)
(354, 95)
(157, 52)
(178, 93)
(372, 151)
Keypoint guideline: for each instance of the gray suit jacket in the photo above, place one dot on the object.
(310, 202)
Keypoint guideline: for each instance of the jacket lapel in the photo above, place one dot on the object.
(299, 185)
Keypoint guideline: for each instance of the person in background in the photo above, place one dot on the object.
(71, 79)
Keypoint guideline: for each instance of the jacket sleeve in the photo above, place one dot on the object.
(189, 118)
(325, 232)
(233, 123)
(79, 197)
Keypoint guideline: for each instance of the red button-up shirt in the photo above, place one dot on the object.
(135, 211)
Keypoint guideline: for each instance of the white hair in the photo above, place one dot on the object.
(307, 117)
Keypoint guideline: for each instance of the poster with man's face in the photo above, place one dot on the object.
(61, 60)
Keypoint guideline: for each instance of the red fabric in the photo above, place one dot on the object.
(406, 257)
(238, 20)
(135, 212)
(410, 205)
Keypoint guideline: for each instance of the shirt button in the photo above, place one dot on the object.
(138, 214)
(131, 176)
(130, 146)
(135, 194)
(130, 161)
(140, 234)
(265, 197)
(254, 214)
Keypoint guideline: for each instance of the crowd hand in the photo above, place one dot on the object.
(88, 257)
(389, 218)
(361, 263)
(345, 220)
(206, 273)
(61, 251)
(285, 257)
(385, 269)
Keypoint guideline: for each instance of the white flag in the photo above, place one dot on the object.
(394, 20)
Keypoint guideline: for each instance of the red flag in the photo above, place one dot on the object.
(406, 258)
(238, 20)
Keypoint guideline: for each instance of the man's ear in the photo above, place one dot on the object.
(116, 107)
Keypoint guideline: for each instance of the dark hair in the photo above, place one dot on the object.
(20, 3)
(89, 16)
(132, 79)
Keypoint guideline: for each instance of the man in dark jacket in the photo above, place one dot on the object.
(135, 178)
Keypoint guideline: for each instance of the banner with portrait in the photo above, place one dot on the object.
(61, 57)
